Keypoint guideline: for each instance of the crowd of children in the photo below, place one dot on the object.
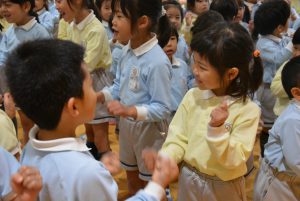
(191, 85)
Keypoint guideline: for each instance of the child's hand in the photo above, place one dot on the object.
(166, 171)
(149, 156)
(9, 105)
(26, 183)
(219, 115)
(100, 97)
(112, 162)
(188, 18)
(117, 109)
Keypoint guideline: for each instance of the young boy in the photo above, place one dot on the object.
(54, 89)
(271, 21)
(279, 174)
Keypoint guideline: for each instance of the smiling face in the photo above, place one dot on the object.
(15, 13)
(66, 12)
(105, 10)
(174, 16)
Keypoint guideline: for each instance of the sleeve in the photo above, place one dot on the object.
(272, 54)
(290, 133)
(48, 22)
(3, 49)
(159, 88)
(152, 192)
(97, 52)
(233, 146)
(276, 85)
(62, 30)
(8, 137)
(177, 139)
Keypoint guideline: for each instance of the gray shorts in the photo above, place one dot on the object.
(194, 186)
(101, 78)
(134, 137)
(271, 185)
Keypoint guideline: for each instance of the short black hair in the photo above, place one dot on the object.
(290, 75)
(164, 31)
(227, 8)
(226, 45)
(270, 15)
(42, 76)
(296, 37)
(206, 20)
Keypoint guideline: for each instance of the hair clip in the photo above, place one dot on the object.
(256, 53)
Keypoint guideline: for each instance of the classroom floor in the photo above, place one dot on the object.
(121, 177)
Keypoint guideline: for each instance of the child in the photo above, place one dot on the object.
(105, 13)
(214, 128)
(45, 17)
(142, 85)
(282, 99)
(194, 8)
(240, 15)
(271, 21)
(227, 8)
(279, 173)
(20, 13)
(182, 78)
(20, 184)
(175, 14)
(86, 30)
(61, 93)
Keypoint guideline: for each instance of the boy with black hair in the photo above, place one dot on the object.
(279, 175)
(271, 22)
(227, 8)
(54, 89)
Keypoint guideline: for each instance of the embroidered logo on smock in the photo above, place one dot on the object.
(228, 126)
(134, 79)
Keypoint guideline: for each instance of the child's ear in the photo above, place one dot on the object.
(27, 6)
(232, 73)
(72, 107)
(143, 22)
(295, 91)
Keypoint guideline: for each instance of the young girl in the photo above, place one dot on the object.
(105, 13)
(175, 14)
(214, 128)
(86, 29)
(182, 78)
(45, 17)
(142, 85)
(21, 14)
(194, 8)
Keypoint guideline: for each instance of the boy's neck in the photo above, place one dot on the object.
(139, 39)
(81, 15)
(57, 133)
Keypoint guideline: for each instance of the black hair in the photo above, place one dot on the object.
(89, 4)
(164, 32)
(226, 45)
(32, 5)
(133, 9)
(227, 8)
(171, 4)
(290, 75)
(42, 82)
(247, 14)
(190, 4)
(296, 37)
(99, 4)
(206, 20)
(269, 16)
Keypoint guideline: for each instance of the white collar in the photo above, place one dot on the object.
(207, 94)
(84, 22)
(147, 46)
(41, 11)
(28, 25)
(175, 62)
(297, 103)
(105, 23)
(63, 144)
(273, 38)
